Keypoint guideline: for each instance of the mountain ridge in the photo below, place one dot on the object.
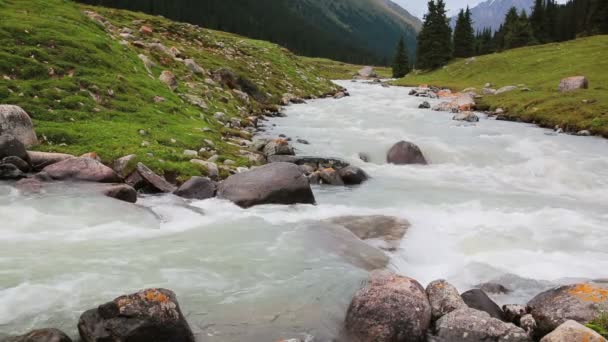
(491, 13)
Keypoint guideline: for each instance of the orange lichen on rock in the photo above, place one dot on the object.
(445, 93)
(329, 169)
(156, 296)
(589, 293)
(465, 108)
(281, 141)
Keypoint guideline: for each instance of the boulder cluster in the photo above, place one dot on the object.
(392, 307)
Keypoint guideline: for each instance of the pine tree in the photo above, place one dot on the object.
(435, 38)
(517, 30)
(401, 64)
(539, 22)
(464, 36)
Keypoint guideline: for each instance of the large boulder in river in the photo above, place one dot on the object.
(148, 315)
(199, 188)
(573, 83)
(122, 192)
(275, 183)
(405, 152)
(82, 169)
(444, 298)
(41, 335)
(573, 331)
(10, 146)
(477, 299)
(470, 325)
(578, 302)
(390, 308)
(384, 232)
(15, 121)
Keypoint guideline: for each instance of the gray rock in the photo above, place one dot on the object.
(82, 169)
(18, 162)
(488, 91)
(444, 298)
(364, 156)
(330, 176)
(579, 302)
(514, 312)
(528, 323)
(390, 308)
(168, 78)
(352, 175)
(303, 141)
(212, 170)
(424, 105)
(584, 133)
(385, 232)
(479, 300)
(145, 180)
(15, 121)
(122, 192)
(278, 147)
(190, 153)
(10, 146)
(199, 188)
(572, 331)
(193, 67)
(314, 177)
(122, 165)
(470, 325)
(275, 183)
(405, 152)
(493, 288)
(148, 315)
(466, 116)
(505, 89)
(40, 160)
(148, 63)
(10, 172)
(41, 335)
(573, 83)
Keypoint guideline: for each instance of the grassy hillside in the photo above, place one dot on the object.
(334, 70)
(539, 68)
(86, 89)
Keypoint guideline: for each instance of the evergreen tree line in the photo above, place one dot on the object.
(548, 22)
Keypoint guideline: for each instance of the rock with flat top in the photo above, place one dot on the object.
(146, 316)
(384, 232)
(40, 160)
(573, 83)
(82, 169)
(470, 325)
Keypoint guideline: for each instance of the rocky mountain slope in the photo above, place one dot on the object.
(115, 83)
(491, 13)
(360, 31)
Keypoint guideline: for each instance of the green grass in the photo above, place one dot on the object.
(600, 325)
(539, 68)
(334, 70)
(86, 92)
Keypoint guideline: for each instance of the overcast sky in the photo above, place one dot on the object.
(418, 7)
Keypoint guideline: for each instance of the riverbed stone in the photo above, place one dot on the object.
(82, 169)
(352, 175)
(581, 302)
(493, 288)
(384, 232)
(278, 147)
(573, 83)
(389, 308)
(10, 146)
(18, 162)
(198, 188)
(505, 89)
(470, 325)
(514, 312)
(275, 183)
(122, 164)
(148, 315)
(16, 122)
(10, 172)
(168, 78)
(444, 298)
(425, 105)
(573, 331)
(405, 152)
(40, 160)
(479, 300)
(41, 335)
(122, 192)
(145, 180)
(466, 116)
(330, 176)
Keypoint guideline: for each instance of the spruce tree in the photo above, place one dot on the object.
(401, 64)
(518, 30)
(464, 36)
(435, 38)
(539, 22)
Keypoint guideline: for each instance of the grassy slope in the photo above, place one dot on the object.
(334, 70)
(540, 68)
(37, 36)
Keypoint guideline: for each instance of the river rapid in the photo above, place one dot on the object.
(500, 201)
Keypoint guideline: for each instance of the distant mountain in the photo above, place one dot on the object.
(358, 31)
(491, 13)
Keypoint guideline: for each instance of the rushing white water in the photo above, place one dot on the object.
(500, 201)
